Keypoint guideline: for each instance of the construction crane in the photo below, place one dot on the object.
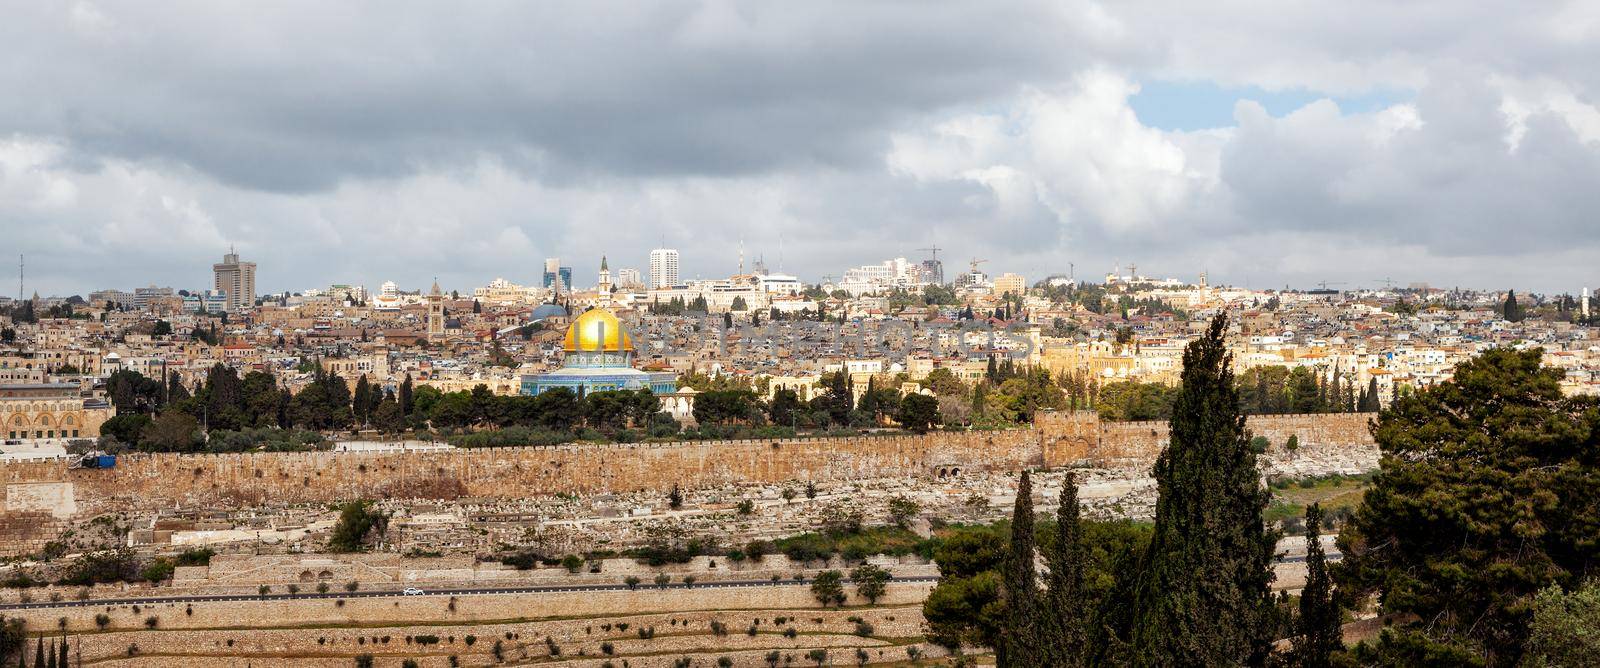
(974, 264)
(934, 249)
(1325, 284)
(1387, 282)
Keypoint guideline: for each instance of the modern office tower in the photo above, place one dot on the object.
(663, 268)
(235, 279)
(557, 279)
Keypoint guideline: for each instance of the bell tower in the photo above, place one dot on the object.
(435, 312)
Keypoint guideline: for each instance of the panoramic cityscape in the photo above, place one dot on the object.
(760, 335)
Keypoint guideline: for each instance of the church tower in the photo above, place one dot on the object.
(435, 312)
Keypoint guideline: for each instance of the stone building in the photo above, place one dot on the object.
(48, 410)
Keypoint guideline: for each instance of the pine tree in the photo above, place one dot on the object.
(1019, 643)
(1203, 597)
(1318, 633)
(1065, 618)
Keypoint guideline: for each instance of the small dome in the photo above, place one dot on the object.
(597, 330)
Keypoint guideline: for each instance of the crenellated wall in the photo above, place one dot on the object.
(39, 495)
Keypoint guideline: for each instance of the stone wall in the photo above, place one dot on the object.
(1081, 438)
(40, 495)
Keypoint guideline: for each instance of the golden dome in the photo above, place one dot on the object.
(597, 330)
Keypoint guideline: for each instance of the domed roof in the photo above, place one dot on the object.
(597, 330)
(548, 311)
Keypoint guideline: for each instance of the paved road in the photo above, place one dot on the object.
(153, 600)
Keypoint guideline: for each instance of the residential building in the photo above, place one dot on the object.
(1009, 283)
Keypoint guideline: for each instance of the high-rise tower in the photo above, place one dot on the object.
(663, 268)
(235, 279)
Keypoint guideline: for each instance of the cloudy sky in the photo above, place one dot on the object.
(1447, 142)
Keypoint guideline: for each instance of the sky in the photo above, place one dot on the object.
(1456, 144)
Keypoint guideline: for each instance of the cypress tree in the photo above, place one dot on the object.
(38, 654)
(1019, 642)
(1513, 310)
(1318, 634)
(1066, 621)
(360, 401)
(50, 658)
(1203, 597)
(405, 395)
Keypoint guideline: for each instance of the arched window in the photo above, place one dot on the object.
(306, 576)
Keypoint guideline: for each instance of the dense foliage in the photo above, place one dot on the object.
(1489, 492)
(358, 526)
(966, 607)
(1566, 627)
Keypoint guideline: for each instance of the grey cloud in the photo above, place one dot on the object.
(298, 96)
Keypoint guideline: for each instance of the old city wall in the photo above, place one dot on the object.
(1081, 438)
(41, 495)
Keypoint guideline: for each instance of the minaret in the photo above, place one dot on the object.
(435, 312)
(1583, 303)
(603, 286)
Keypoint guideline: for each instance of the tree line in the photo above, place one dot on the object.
(1265, 390)
(227, 412)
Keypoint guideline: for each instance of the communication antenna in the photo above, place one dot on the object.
(22, 268)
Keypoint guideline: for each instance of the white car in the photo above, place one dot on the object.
(412, 591)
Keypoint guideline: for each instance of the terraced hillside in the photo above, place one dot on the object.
(649, 627)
